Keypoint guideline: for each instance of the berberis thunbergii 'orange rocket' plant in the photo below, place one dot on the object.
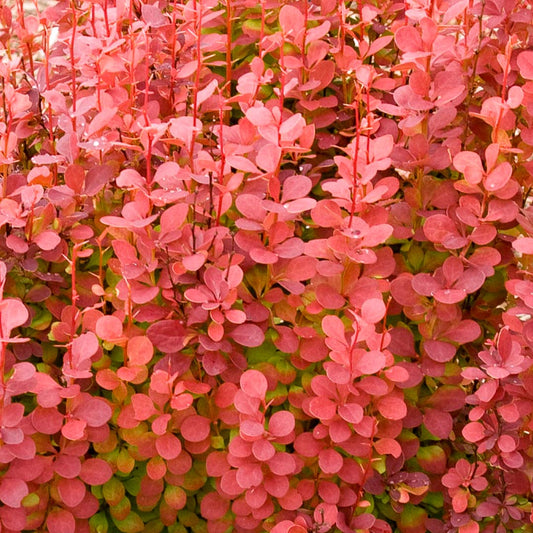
(266, 266)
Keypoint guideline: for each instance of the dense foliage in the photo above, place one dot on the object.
(266, 266)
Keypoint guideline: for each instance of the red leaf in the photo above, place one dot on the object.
(95, 411)
(392, 408)
(47, 420)
(249, 335)
(268, 157)
(72, 491)
(370, 362)
(74, 429)
(438, 228)
(330, 461)
(282, 464)
(439, 351)
(327, 214)
(408, 39)
(263, 256)
(388, 446)
(351, 412)
(168, 446)
(254, 384)
(13, 314)
(525, 64)
(47, 240)
(60, 521)
(195, 428)
(291, 20)
(373, 310)
(281, 423)
(139, 350)
(438, 423)
(474, 431)
(322, 408)
(524, 245)
(12, 491)
(109, 328)
(263, 450)
(499, 177)
(95, 471)
(167, 335)
(213, 506)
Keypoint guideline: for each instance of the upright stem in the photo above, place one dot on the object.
(198, 29)
(72, 63)
(355, 159)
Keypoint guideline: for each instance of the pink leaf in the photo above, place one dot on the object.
(524, 245)
(328, 297)
(388, 446)
(47, 420)
(167, 335)
(13, 313)
(263, 450)
(168, 446)
(139, 350)
(474, 431)
(74, 429)
(330, 461)
(499, 177)
(213, 506)
(281, 423)
(370, 362)
(373, 310)
(95, 471)
(251, 429)
(109, 328)
(95, 411)
(408, 39)
(263, 256)
(12, 491)
(85, 346)
(268, 157)
(438, 423)
(291, 19)
(525, 64)
(327, 214)
(254, 384)
(439, 351)
(334, 327)
(392, 408)
(351, 412)
(60, 521)
(249, 335)
(72, 491)
(47, 240)
(195, 428)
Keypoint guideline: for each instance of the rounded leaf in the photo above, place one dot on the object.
(254, 384)
(281, 423)
(195, 428)
(249, 335)
(60, 521)
(12, 491)
(213, 506)
(168, 446)
(109, 328)
(95, 471)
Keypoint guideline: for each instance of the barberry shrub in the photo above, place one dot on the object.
(266, 266)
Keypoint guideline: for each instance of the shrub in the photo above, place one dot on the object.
(266, 266)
